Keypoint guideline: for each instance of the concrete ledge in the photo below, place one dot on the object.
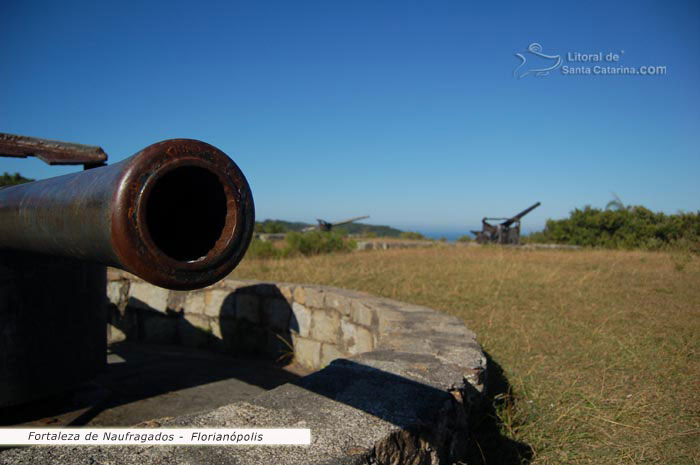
(397, 383)
(378, 244)
(551, 247)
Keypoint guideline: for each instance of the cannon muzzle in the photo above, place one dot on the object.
(179, 214)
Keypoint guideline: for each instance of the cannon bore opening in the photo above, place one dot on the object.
(186, 213)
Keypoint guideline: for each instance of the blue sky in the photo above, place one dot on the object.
(406, 111)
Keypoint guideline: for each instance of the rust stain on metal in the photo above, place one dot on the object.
(179, 214)
(52, 152)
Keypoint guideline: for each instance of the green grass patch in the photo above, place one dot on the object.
(301, 244)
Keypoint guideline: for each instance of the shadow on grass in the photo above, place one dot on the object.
(489, 444)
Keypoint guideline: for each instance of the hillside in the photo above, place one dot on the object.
(281, 226)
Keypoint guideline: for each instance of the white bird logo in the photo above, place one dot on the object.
(534, 51)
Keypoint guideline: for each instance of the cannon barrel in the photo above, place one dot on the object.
(517, 217)
(350, 220)
(179, 214)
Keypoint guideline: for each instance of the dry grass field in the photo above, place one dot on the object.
(595, 355)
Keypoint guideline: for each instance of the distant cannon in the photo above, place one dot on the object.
(324, 225)
(179, 214)
(507, 232)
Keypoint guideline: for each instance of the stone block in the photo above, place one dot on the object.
(216, 328)
(117, 292)
(362, 245)
(215, 301)
(365, 340)
(176, 300)
(307, 352)
(115, 334)
(391, 321)
(147, 296)
(276, 313)
(301, 319)
(339, 302)
(194, 302)
(315, 298)
(287, 292)
(325, 326)
(361, 313)
(329, 352)
(300, 295)
(248, 308)
(356, 339)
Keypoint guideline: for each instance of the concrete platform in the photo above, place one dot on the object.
(145, 381)
(393, 383)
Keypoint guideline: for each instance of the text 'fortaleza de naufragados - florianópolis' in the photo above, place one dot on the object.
(149, 437)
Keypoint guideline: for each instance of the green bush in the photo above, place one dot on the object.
(309, 243)
(263, 249)
(465, 238)
(630, 227)
(342, 232)
(411, 235)
(317, 242)
(8, 179)
(270, 227)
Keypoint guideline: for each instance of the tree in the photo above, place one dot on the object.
(8, 179)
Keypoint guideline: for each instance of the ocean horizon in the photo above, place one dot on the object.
(452, 235)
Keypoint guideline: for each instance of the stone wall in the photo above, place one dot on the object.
(403, 384)
(315, 324)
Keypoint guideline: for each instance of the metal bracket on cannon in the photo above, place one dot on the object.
(52, 152)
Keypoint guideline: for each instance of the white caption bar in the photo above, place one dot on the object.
(153, 436)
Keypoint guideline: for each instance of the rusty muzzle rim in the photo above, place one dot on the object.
(184, 214)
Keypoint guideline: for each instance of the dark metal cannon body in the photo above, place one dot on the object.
(506, 232)
(179, 214)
